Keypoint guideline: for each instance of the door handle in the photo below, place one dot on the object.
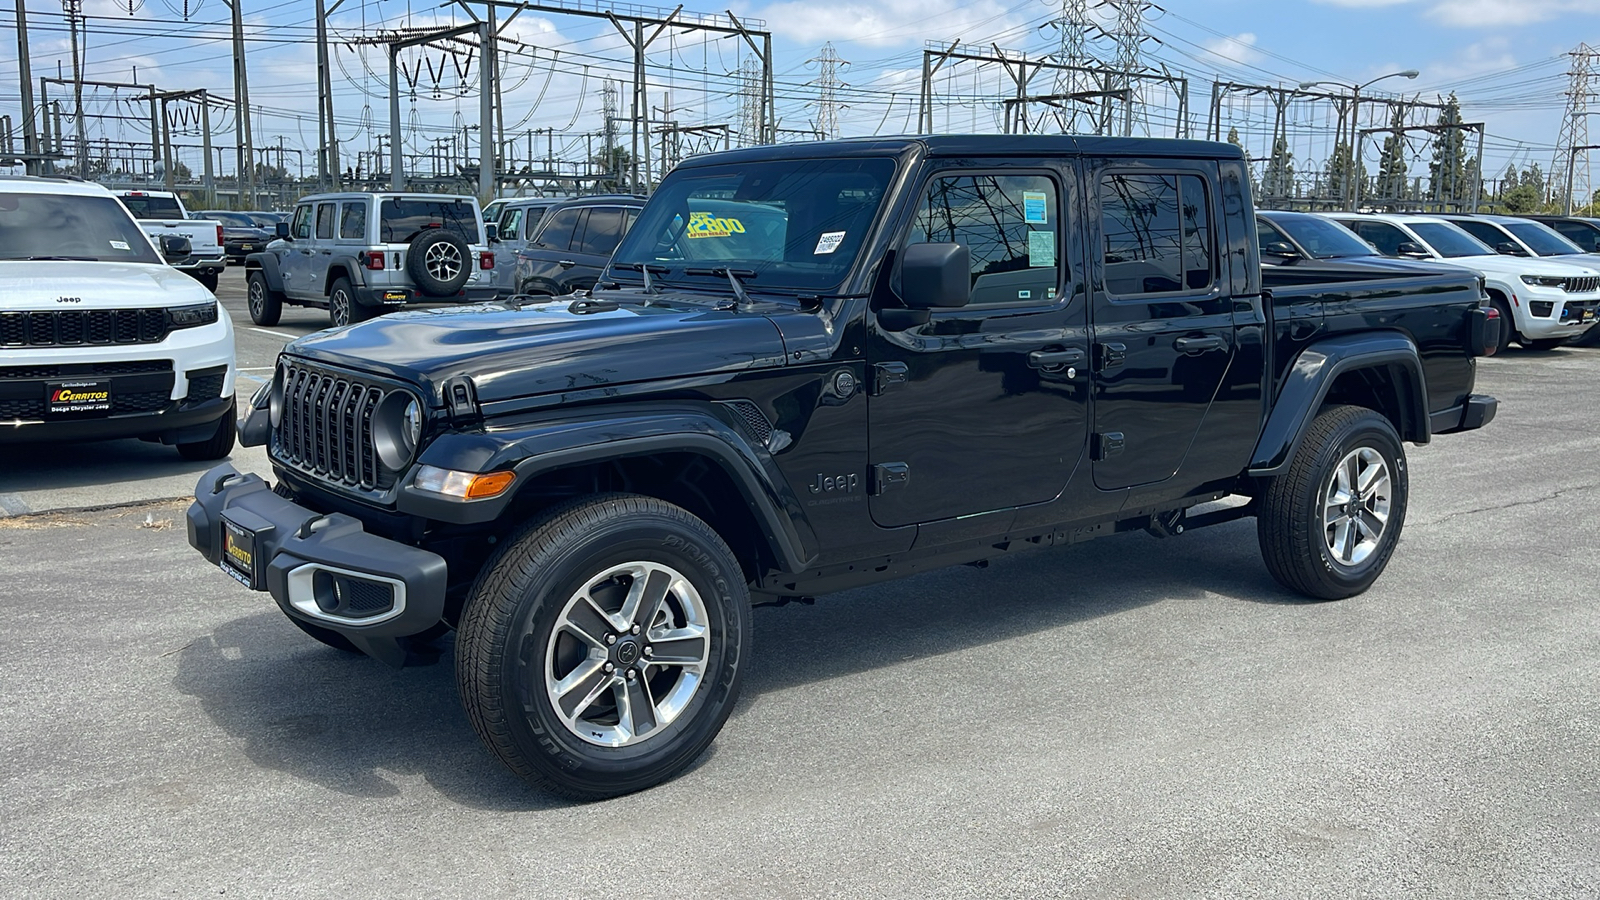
(1055, 359)
(566, 263)
(1198, 345)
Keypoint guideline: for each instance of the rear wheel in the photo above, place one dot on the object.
(602, 649)
(1328, 526)
(266, 308)
(1508, 326)
(342, 306)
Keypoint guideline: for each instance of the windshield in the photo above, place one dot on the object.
(795, 224)
(56, 226)
(403, 218)
(1449, 241)
(147, 207)
(1542, 240)
(1323, 239)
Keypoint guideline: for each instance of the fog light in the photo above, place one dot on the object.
(462, 485)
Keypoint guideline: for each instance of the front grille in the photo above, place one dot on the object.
(83, 326)
(206, 384)
(74, 370)
(754, 418)
(21, 409)
(326, 427)
(1582, 284)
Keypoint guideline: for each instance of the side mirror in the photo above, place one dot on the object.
(936, 276)
(175, 248)
(491, 232)
(1412, 249)
(1281, 248)
(1509, 248)
(280, 230)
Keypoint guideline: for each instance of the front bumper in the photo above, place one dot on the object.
(1547, 313)
(322, 569)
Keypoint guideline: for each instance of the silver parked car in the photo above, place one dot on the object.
(363, 254)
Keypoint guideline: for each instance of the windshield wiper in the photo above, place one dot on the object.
(733, 279)
(644, 269)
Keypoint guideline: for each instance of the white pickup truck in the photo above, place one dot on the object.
(161, 214)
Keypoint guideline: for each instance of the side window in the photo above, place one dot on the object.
(602, 232)
(1382, 235)
(509, 223)
(1578, 233)
(1157, 233)
(353, 221)
(1483, 231)
(302, 222)
(1268, 234)
(557, 233)
(1010, 225)
(325, 221)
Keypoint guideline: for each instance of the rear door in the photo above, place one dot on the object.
(984, 407)
(1163, 336)
(540, 264)
(599, 234)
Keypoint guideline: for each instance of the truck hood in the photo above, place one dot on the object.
(63, 284)
(512, 352)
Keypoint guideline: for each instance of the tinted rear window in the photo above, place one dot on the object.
(153, 207)
(402, 219)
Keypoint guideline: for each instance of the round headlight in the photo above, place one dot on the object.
(412, 431)
(275, 399)
(397, 429)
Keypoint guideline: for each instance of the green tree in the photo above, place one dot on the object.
(1278, 180)
(1392, 166)
(1447, 173)
(615, 164)
(1233, 138)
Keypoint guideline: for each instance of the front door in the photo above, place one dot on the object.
(294, 256)
(983, 408)
(1163, 321)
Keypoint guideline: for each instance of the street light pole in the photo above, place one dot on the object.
(1355, 125)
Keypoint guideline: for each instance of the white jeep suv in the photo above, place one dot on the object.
(99, 337)
(1542, 302)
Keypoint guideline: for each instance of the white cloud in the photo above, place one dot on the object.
(1239, 48)
(886, 22)
(1494, 13)
(1490, 55)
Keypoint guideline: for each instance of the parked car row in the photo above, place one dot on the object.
(1544, 286)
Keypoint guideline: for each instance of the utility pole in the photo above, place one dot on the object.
(1128, 36)
(1574, 138)
(74, 12)
(327, 136)
(30, 138)
(241, 101)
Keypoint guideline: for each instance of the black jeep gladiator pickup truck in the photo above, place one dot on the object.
(817, 366)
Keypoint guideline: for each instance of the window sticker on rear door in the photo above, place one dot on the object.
(1034, 208)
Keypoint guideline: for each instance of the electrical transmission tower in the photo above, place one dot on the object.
(1127, 35)
(608, 108)
(1072, 28)
(750, 124)
(827, 84)
(1570, 170)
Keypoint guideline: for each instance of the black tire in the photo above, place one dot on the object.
(509, 648)
(219, 445)
(326, 635)
(1590, 338)
(266, 307)
(1291, 526)
(208, 279)
(1508, 326)
(342, 306)
(1544, 344)
(439, 263)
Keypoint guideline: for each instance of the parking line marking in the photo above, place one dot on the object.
(255, 368)
(255, 378)
(12, 505)
(288, 337)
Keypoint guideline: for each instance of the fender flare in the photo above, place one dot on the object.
(268, 264)
(621, 432)
(353, 270)
(1311, 376)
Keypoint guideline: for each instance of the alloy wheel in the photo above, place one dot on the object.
(1356, 506)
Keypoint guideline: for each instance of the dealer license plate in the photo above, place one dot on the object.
(1588, 315)
(77, 398)
(247, 246)
(239, 554)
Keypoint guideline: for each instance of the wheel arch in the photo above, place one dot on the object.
(1381, 371)
(268, 265)
(342, 267)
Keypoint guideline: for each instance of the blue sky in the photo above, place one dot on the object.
(1505, 58)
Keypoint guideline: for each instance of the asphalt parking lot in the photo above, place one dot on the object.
(1124, 718)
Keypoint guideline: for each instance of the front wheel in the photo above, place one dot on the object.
(1328, 525)
(602, 649)
(217, 446)
(266, 307)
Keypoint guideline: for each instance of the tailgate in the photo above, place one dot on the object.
(202, 233)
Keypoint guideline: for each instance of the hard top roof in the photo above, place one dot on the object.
(1036, 145)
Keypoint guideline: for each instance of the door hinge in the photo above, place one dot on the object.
(1109, 356)
(887, 475)
(888, 374)
(1106, 445)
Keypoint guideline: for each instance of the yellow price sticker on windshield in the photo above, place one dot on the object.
(704, 225)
